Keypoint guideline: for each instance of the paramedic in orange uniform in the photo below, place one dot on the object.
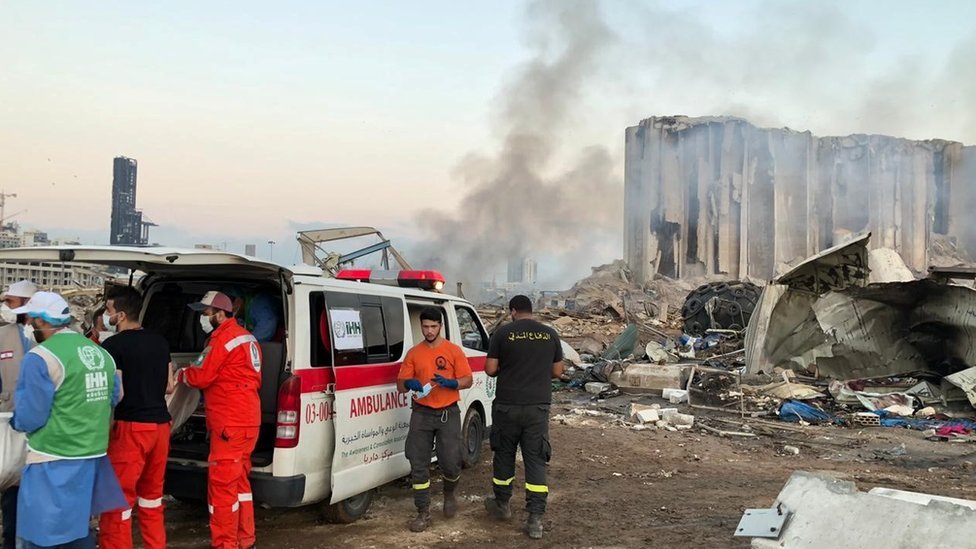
(228, 372)
(441, 365)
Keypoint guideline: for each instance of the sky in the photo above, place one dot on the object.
(251, 120)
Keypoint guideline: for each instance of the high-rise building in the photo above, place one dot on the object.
(522, 270)
(515, 272)
(128, 227)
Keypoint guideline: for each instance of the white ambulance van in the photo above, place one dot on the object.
(333, 424)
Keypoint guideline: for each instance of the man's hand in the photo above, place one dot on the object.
(413, 385)
(445, 383)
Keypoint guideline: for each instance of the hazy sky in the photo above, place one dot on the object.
(251, 119)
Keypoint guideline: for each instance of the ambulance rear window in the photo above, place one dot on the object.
(353, 329)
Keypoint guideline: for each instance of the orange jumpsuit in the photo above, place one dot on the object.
(228, 372)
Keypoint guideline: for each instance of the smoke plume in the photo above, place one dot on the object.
(515, 202)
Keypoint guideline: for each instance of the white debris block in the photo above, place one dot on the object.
(675, 396)
(647, 416)
(595, 387)
(827, 512)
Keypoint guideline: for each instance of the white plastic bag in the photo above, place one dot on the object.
(182, 403)
(13, 452)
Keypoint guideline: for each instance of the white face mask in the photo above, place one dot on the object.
(29, 333)
(109, 327)
(7, 314)
(205, 324)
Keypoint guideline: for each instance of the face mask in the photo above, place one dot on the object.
(109, 327)
(29, 333)
(206, 324)
(7, 314)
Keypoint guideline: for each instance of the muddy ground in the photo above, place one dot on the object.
(616, 487)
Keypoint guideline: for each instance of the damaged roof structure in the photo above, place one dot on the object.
(848, 313)
(717, 195)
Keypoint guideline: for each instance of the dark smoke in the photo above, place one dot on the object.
(516, 203)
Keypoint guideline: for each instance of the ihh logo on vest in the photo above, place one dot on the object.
(96, 386)
(96, 379)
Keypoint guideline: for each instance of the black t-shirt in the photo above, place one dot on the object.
(526, 351)
(143, 358)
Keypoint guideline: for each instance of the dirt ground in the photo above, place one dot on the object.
(616, 487)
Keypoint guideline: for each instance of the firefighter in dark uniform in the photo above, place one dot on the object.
(435, 417)
(525, 355)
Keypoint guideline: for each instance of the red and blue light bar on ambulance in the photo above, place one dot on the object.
(425, 280)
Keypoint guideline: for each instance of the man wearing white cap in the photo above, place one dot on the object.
(14, 343)
(65, 394)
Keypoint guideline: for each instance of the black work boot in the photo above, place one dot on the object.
(498, 510)
(450, 499)
(422, 521)
(534, 525)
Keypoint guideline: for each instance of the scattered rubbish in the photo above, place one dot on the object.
(675, 396)
(900, 410)
(867, 419)
(928, 411)
(795, 412)
(647, 416)
(623, 346)
(762, 523)
(569, 354)
(657, 354)
(597, 387)
(792, 450)
(719, 305)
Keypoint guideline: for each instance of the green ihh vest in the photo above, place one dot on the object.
(81, 414)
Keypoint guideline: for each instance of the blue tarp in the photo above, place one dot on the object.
(923, 424)
(794, 411)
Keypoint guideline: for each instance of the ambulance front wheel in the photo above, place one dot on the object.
(472, 438)
(349, 510)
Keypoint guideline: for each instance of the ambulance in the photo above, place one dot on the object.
(333, 424)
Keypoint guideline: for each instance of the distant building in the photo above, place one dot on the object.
(52, 276)
(29, 239)
(251, 250)
(128, 227)
(522, 270)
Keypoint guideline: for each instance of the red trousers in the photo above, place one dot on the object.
(229, 489)
(138, 452)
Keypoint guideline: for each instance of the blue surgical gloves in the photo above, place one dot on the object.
(413, 385)
(445, 383)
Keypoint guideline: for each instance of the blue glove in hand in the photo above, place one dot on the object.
(445, 383)
(413, 385)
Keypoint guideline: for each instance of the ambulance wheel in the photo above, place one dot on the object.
(351, 509)
(472, 438)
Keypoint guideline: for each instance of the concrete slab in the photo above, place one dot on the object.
(828, 512)
(649, 378)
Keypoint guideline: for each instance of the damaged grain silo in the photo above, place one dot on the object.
(718, 195)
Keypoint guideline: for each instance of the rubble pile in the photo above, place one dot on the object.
(944, 252)
(847, 337)
(611, 290)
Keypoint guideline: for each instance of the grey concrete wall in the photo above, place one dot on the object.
(721, 196)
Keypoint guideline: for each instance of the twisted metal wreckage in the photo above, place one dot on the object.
(847, 313)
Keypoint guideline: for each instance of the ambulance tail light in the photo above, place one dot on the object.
(425, 280)
(289, 413)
